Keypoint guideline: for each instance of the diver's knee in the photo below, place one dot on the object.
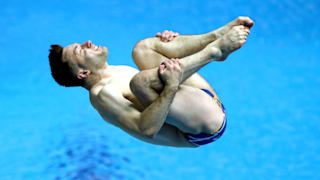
(214, 122)
(141, 47)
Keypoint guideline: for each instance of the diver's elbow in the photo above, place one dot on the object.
(149, 133)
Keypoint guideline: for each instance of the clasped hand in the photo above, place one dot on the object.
(170, 72)
(167, 36)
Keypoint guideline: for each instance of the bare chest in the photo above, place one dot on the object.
(119, 83)
(121, 80)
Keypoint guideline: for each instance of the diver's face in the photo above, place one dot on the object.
(86, 55)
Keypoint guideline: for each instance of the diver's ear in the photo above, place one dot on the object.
(83, 74)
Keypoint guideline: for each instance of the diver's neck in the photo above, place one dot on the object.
(99, 77)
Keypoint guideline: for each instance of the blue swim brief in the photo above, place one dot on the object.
(204, 138)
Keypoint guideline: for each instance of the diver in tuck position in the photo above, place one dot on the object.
(167, 102)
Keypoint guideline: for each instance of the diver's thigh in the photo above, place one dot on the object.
(147, 58)
(170, 136)
(197, 81)
(192, 110)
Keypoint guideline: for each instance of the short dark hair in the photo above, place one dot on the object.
(61, 71)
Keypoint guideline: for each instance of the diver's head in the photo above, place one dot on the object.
(75, 64)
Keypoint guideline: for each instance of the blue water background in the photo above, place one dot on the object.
(270, 88)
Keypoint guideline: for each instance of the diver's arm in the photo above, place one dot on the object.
(153, 117)
(147, 123)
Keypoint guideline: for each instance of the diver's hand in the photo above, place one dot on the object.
(167, 36)
(170, 72)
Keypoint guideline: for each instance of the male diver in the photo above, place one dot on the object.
(167, 102)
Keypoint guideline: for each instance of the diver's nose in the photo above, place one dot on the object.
(87, 44)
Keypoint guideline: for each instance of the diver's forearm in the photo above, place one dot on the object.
(153, 117)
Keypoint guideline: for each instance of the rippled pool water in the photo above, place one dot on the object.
(270, 89)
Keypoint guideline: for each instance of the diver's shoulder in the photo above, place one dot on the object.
(95, 90)
(100, 93)
(98, 89)
(94, 94)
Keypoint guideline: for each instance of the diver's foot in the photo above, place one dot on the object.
(241, 20)
(228, 43)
